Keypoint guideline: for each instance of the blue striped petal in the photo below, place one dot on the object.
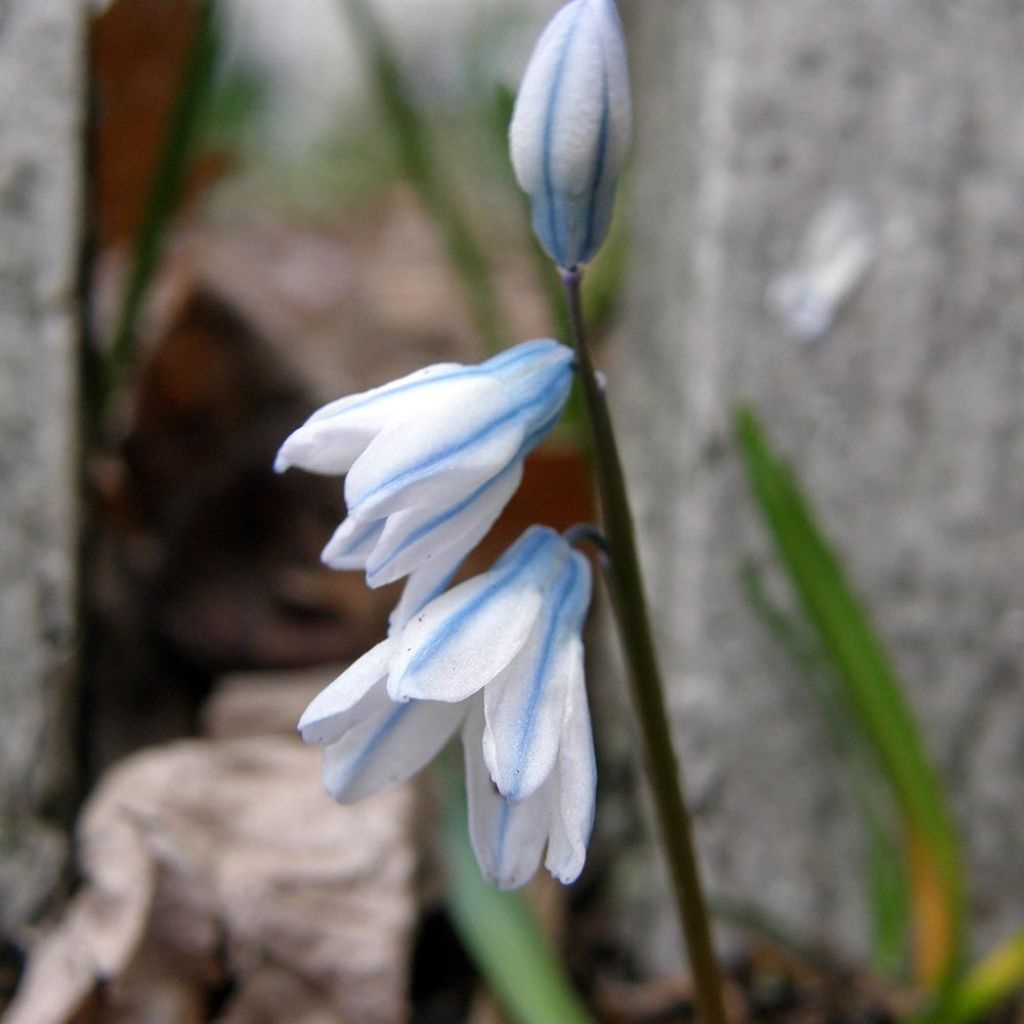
(575, 778)
(416, 536)
(461, 641)
(525, 704)
(440, 458)
(424, 585)
(335, 709)
(508, 839)
(334, 436)
(389, 744)
(352, 543)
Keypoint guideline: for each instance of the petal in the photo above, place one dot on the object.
(415, 536)
(378, 405)
(439, 457)
(575, 776)
(455, 447)
(461, 641)
(352, 543)
(530, 132)
(508, 839)
(525, 704)
(422, 587)
(393, 742)
(334, 436)
(330, 712)
(571, 227)
(538, 357)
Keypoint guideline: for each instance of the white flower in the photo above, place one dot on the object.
(514, 634)
(572, 127)
(431, 459)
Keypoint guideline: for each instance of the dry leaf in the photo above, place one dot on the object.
(221, 866)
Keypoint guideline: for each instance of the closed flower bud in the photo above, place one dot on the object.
(572, 127)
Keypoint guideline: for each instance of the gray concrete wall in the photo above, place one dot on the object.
(829, 221)
(41, 97)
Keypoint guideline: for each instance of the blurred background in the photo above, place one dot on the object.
(217, 215)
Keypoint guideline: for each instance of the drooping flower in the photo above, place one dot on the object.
(572, 128)
(431, 459)
(501, 657)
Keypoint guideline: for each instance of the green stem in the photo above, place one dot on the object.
(648, 693)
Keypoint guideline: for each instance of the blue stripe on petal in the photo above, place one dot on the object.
(510, 358)
(444, 517)
(569, 599)
(529, 443)
(546, 222)
(385, 392)
(553, 393)
(373, 742)
(535, 544)
(592, 238)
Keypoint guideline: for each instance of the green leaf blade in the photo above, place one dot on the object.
(875, 698)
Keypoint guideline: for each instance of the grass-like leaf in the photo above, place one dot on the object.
(422, 169)
(987, 985)
(182, 132)
(876, 702)
(885, 875)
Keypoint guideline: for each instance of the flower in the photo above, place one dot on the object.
(501, 657)
(431, 459)
(572, 127)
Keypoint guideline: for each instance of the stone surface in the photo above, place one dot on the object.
(41, 96)
(829, 223)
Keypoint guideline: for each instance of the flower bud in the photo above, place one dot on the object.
(571, 128)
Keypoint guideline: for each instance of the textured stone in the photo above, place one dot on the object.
(897, 128)
(41, 93)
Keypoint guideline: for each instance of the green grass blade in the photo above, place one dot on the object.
(987, 985)
(876, 701)
(422, 169)
(886, 880)
(500, 931)
(165, 191)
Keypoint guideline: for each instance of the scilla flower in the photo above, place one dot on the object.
(431, 459)
(572, 127)
(499, 656)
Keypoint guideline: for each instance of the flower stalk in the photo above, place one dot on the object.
(634, 625)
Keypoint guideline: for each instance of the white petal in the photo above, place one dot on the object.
(439, 457)
(508, 839)
(525, 704)
(352, 543)
(393, 742)
(380, 404)
(332, 438)
(413, 537)
(575, 777)
(461, 641)
(329, 713)
(524, 716)
(540, 357)
(422, 587)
